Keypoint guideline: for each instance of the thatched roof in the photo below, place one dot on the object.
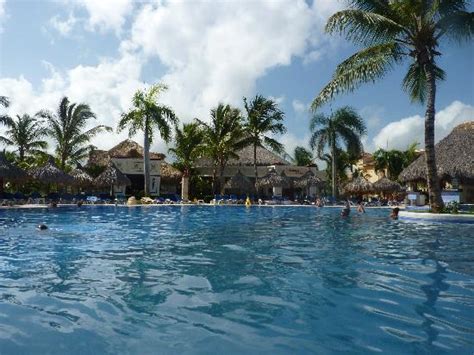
(359, 185)
(386, 185)
(307, 180)
(454, 157)
(273, 179)
(81, 177)
(10, 171)
(239, 182)
(125, 149)
(112, 176)
(170, 173)
(50, 174)
(264, 158)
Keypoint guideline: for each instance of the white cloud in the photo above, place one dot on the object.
(300, 107)
(107, 14)
(64, 27)
(400, 134)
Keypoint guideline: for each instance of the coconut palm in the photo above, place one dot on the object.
(25, 133)
(345, 127)
(147, 115)
(302, 156)
(223, 138)
(4, 101)
(392, 31)
(393, 161)
(263, 119)
(187, 148)
(67, 126)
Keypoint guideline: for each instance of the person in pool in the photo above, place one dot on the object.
(360, 207)
(346, 210)
(394, 214)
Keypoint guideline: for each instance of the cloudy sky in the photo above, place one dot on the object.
(100, 52)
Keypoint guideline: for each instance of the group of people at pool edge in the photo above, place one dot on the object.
(346, 210)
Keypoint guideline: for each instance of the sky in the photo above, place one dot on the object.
(101, 52)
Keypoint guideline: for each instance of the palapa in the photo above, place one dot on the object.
(454, 157)
(80, 177)
(169, 173)
(386, 185)
(308, 180)
(10, 171)
(272, 179)
(112, 176)
(51, 174)
(359, 186)
(239, 182)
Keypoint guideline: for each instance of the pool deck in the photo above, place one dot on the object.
(432, 217)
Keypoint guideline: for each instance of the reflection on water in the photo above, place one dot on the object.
(215, 279)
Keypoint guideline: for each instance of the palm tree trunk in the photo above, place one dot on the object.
(146, 159)
(333, 153)
(214, 179)
(221, 179)
(185, 186)
(434, 189)
(255, 167)
(1, 185)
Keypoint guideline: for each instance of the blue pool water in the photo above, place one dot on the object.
(169, 280)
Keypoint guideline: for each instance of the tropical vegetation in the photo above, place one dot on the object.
(147, 115)
(67, 128)
(390, 33)
(187, 149)
(343, 128)
(302, 156)
(394, 161)
(263, 120)
(223, 138)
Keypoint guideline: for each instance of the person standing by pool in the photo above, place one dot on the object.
(346, 210)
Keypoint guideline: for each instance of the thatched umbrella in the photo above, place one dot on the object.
(386, 185)
(169, 173)
(9, 171)
(272, 179)
(239, 182)
(308, 180)
(51, 174)
(81, 178)
(359, 186)
(112, 176)
(454, 157)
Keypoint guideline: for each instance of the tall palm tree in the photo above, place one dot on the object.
(263, 119)
(187, 148)
(223, 138)
(344, 126)
(392, 31)
(393, 161)
(146, 116)
(67, 126)
(25, 133)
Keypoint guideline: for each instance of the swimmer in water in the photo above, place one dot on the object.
(346, 210)
(360, 207)
(79, 204)
(394, 214)
(42, 227)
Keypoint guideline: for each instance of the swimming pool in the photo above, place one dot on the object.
(205, 280)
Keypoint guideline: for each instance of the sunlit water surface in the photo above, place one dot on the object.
(168, 280)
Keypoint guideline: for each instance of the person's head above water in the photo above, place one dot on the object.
(42, 227)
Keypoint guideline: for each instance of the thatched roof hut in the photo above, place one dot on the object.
(10, 171)
(454, 157)
(169, 173)
(386, 185)
(51, 174)
(112, 176)
(80, 177)
(272, 179)
(307, 180)
(125, 149)
(239, 182)
(359, 186)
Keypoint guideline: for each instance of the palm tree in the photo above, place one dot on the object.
(188, 147)
(263, 118)
(302, 156)
(343, 126)
(25, 133)
(223, 138)
(392, 31)
(4, 101)
(392, 161)
(146, 115)
(66, 128)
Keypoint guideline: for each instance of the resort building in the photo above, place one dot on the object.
(268, 164)
(455, 164)
(366, 167)
(127, 157)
